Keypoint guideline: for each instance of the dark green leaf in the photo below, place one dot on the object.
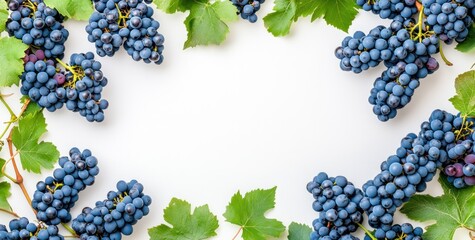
(26, 136)
(464, 101)
(279, 22)
(12, 52)
(202, 224)
(338, 13)
(4, 195)
(248, 213)
(454, 209)
(299, 231)
(469, 43)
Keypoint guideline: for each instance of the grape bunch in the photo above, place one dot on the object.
(450, 20)
(127, 23)
(79, 85)
(337, 200)
(406, 47)
(116, 215)
(407, 61)
(389, 9)
(83, 86)
(403, 231)
(22, 228)
(454, 138)
(247, 9)
(38, 26)
(54, 197)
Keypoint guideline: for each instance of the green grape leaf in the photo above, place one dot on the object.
(26, 136)
(4, 195)
(469, 43)
(12, 52)
(173, 6)
(464, 101)
(2, 162)
(279, 22)
(454, 209)
(248, 213)
(75, 9)
(305, 8)
(299, 231)
(338, 13)
(3, 15)
(206, 23)
(201, 224)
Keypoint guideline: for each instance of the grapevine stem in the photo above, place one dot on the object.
(237, 234)
(67, 227)
(5, 174)
(9, 212)
(366, 231)
(12, 114)
(14, 118)
(19, 177)
(447, 62)
(468, 228)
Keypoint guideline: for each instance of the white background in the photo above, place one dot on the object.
(256, 112)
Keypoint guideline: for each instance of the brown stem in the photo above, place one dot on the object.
(9, 212)
(19, 177)
(237, 234)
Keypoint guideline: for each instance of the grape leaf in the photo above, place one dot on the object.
(2, 162)
(338, 13)
(75, 9)
(3, 15)
(4, 195)
(202, 224)
(206, 23)
(469, 43)
(299, 231)
(454, 209)
(25, 137)
(12, 52)
(248, 212)
(278, 22)
(173, 6)
(464, 101)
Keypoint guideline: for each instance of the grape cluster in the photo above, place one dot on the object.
(453, 137)
(247, 9)
(54, 197)
(37, 26)
(127, 23)
(83, 87)
(389, 8)
(116, 215)
(79, 86)
(450, 20)
(337, 201)
(407, 61)
(404, 231)
(22, 228)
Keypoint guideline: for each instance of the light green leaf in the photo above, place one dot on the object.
(279, 22)
(34, 154)
(305, 8)
(202, 224)
(32, 107)
(75, 9)
(464, 101)
(4, 195)
(12, 52)
(2, 162)
(454, 209)
(206, 23)
(469, 43)
(248, 213)
(3, 15)
(173, 6)
(299, 231)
